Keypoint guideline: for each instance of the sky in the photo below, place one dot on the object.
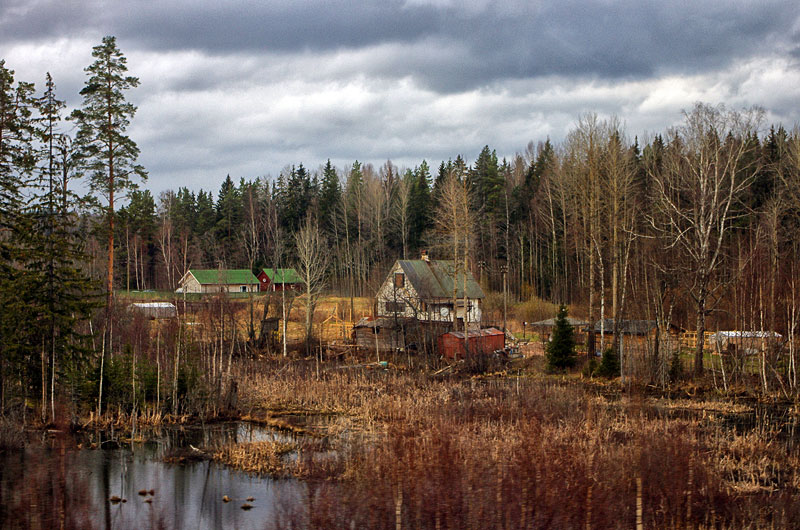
(250, 88)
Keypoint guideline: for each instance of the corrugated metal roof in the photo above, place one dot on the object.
(435, 278)
(487, 332)
(283, 276)
(224, 276)
(154, 309)
(551, 322)
(746, 335)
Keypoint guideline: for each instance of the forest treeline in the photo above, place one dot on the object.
(695, 226)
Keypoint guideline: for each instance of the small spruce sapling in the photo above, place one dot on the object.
(561, 349)
(609, 366)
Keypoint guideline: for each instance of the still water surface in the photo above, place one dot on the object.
(48, 486)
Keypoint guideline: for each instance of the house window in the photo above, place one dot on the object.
(395, 307)
(243, 288)
(399, 279)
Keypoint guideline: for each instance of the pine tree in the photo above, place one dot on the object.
(561, 348)
(107, 152)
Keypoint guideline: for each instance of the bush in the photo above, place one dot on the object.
(609, 366)
(675, 367)
(590, 368)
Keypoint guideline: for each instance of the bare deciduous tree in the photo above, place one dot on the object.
(312, 262)
(165, 235)
(705, 169)
(454, 221)
(400, 217)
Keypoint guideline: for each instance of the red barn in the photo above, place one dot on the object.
(279, 280)
(484, 341)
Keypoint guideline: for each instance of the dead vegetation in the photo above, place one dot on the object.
(265, 457)
(519, 452)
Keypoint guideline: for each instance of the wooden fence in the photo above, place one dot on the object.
(689, 340)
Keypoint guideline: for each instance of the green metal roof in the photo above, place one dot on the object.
(224, 276)
(283, 276)
(435, 278)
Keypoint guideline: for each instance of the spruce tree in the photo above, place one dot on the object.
(329, 196)
(206, 217)
(419, 205)
(16, 162)
(561, 348)
(55, 292)
(229, 216)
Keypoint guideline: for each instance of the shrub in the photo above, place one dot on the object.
(676, 367)
(609, 365)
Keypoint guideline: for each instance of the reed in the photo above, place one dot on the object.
(266, 458)
(530, 452)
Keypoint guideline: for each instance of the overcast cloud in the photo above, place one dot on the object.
(240, 89)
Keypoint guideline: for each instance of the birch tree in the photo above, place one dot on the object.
(400, 215)
(312, 262)
(454, 222)
(704, 172)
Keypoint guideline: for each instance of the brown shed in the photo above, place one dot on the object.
(484, 341)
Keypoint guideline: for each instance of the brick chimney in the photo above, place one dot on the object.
(424, 256)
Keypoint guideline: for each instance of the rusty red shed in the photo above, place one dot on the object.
(484, 341)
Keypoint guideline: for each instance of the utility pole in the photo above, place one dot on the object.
(504, 270)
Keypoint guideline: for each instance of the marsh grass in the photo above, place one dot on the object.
(523, 452)
(266, 458)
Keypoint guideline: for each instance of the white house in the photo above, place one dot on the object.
(423, 289)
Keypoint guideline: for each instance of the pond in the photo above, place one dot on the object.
(64, 486)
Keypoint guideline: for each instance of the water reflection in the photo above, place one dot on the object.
(69, 488)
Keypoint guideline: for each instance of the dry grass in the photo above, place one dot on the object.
(257, 457)
(522, 453)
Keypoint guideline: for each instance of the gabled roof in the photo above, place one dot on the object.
(282, 275)
(434, 279)
(551, 322)
(627, 327)
(224, 276)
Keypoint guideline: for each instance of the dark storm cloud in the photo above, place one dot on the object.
(452, 47)
(248, 87)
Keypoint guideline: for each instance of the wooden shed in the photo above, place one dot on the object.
(637, 335)
(545, 328)
(382, 333)
(745, 342)
(484, 341)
